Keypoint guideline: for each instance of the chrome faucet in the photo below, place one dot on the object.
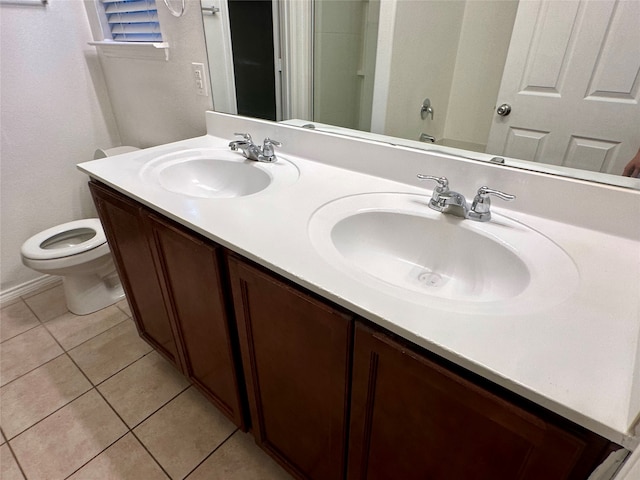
(446, 201)
(481, 205)
(251, 151)
(425, 137)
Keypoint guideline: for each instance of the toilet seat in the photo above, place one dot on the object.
(65, 240)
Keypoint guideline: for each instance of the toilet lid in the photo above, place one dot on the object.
(65, 240)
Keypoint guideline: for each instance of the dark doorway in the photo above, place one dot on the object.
(253, 57)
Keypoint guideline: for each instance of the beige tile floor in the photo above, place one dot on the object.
(85, 398)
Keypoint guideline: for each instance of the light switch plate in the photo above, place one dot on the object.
(200, 79)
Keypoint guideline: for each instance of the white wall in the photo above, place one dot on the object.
(452, 52)
(155, 101)
(424, 45)
(482, 52)
(54, 114)
(61, 100)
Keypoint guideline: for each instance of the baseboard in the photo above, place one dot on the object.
(32, 286)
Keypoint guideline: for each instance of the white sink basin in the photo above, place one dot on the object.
(396, 244)
(216, 173)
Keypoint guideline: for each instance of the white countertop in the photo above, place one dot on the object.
(578, 358)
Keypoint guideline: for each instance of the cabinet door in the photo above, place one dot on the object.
(128, 235)
(413, 419)
(295, 352)
(196, 297)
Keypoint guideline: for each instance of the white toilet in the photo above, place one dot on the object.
(78, 252)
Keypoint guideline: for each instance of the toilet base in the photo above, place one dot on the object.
(86, 294)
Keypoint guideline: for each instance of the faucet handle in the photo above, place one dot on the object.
(484, 192)
(481, 205)
(267, 147)
(268, 143)
(443, 182)
(246, 136)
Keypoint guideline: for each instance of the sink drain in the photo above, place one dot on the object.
(430, 279)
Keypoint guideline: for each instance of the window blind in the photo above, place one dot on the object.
(133, 20)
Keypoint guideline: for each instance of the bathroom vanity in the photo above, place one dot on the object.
(284, 299)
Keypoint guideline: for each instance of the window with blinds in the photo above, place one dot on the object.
(133, 20)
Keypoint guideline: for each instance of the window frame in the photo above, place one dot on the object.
(104, 43)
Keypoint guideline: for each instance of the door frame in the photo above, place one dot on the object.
(296, 32)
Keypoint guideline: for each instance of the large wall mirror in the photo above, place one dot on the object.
(555, 83)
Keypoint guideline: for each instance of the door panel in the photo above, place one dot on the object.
(195, 291)
(413, 419)
(615, 75)
(595, 155)
(551, 47)
(295, 352)
(572, 73)
(127, 234)
(525, 143)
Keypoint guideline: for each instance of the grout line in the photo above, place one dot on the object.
(15, 457)
(99, 453)
(210, 454)
(31, 310)
(150, 454)
(94, 386)
(45, 288)
(90, 381)
(130, 429)
(84, 341)
(64, 350)
(34, 368)
(123, 368)
(146, 418)
(60, 407)
(20, 299)
(162, 406)
(120, 369)
(18, 334)
(42, 324)
(44, 418)
(130, 315)
(36, 315)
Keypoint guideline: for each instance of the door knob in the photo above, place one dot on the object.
(504, 110)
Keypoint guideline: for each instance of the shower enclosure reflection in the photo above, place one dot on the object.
(254, 55)
(568, 70)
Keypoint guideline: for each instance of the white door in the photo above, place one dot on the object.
(572, 79)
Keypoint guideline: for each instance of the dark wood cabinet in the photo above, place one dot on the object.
(296, 357)
(128, 236)
(195, 293)
(329, 398)
(413, 419)
(176, 285)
